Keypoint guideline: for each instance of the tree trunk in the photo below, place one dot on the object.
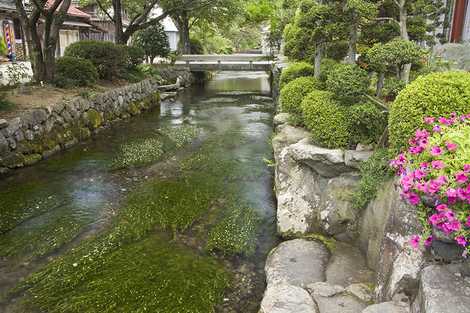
(318, 57)
(352, 49)
(182, 23)
(405, 73)
(118, 28)
(380, 84)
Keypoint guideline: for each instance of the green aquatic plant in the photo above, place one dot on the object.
(235, 233)
(181, 135)
(139, 153)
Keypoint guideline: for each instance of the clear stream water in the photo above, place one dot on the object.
(51, 208)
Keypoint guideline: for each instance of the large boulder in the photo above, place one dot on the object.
(388, 307)
(444, 288)
(281, 118)
(334, 299)
(336, 213)
(347, 266)
(297, 262)
(326, 162)
(286, 298)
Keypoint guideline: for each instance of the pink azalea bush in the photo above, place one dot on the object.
(435, 177)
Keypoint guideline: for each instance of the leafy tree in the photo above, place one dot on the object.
(357, 13)
(395, 54)
(42, 43)
(321, 24)
(187, 13)
(154, 41)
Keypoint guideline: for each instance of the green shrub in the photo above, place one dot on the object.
(110, 60)
(71, 72)
(196, 46)
(325, 119)
(366, 123)
(326, 67)
(294, 71)
(135, 56)
(374, 172)
(437, 94)
(347, 82)
(337, 50)
(392, 88)
(294, 92)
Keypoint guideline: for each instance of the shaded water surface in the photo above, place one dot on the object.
(79, 235)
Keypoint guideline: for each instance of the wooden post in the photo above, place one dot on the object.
(458, 21)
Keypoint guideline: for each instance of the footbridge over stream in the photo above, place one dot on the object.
(224, 62)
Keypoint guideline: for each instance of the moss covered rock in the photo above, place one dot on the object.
(93, 119)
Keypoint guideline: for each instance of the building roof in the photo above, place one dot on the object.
(72, 11)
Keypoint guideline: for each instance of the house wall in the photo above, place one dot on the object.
(173, 39)
(67, 37)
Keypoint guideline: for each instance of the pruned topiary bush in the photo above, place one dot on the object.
(347, 82)
(436, 94)
(110, 60)
(366, 123)
(295, 70)
(327, 65)
(327, 121)
(293, 93)
(71, 72)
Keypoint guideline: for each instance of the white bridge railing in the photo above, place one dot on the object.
(227, 62)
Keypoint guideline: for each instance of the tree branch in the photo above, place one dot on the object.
(101, 6)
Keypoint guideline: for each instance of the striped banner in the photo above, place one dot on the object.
(7, 33)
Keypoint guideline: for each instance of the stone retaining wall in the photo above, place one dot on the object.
(37, 134)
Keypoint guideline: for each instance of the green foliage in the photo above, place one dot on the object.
(294, 71)
(437, 94)
(135, 56)
(153, 41)
(326, 67)
(72, 71)
(149, 70)
(236, 233)
(366, 123)
(298, 45)
(374, 172)
(17, 73)
(3, 46)
(348, 82)
(325, 119)
(294, 92)
(337, 50)
(110, 60)
(139, 153)
(196, 46)
(5, 105)
(392, 88)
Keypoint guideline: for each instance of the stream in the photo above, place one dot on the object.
(170, 211)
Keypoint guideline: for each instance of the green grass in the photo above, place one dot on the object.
(236, 233)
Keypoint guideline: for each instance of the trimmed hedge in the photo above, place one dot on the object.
(295, 70)
(347, 82)
(326, 67)
(294, 92)
(436, 94)
(366, 123)
(110, 60)
(325, 119)
(71, 72)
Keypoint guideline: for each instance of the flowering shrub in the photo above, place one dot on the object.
(435, 177)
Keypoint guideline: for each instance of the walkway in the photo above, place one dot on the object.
(224, 62)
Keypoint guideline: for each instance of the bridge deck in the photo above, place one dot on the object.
(232, 62)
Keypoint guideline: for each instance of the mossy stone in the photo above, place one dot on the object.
(93, 119)
(133, 108)
(13, 160)
(31, 159)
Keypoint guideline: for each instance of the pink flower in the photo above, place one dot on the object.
(419, 174)
(437, 129)
(468, 221)
(451, 193)
(421, 187)
(442, 179)
(414, 241)
(451, 146)
(428, 241)
(441, 207)
(424, 165)
(421, 133)
(461, 241)
(451, 226)
(437, 164)
(433, 186)
(445, 121)
(461, 178)
(413, 198)
(435, 219)
(415, 150)
(429, 120)
(436, 151)
(466, 168)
